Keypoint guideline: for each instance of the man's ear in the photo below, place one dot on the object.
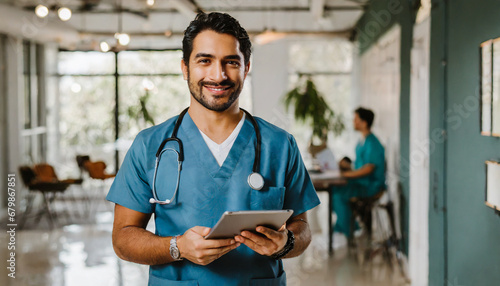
(184, 68)
(247, 69)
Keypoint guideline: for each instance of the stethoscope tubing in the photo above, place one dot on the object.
(180, 158)
(179, 168)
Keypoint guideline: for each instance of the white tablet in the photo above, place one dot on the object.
(233, 223)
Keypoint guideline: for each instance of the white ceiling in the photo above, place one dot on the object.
(97, 20)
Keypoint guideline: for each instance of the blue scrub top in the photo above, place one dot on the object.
(207, 190)
(371, 152)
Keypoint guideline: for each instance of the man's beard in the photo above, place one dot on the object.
(197, 92)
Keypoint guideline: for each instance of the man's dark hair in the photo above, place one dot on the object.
(221, 23)
(366, 115)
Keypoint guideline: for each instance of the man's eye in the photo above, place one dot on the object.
(204, 61)
(233, 63)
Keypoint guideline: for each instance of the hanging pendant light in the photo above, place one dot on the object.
(104, 46)
(123, 39)
(64, 13)
(41, 11)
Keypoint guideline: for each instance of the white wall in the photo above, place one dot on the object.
(3, 120)
(270, 82)
(14, 103)
(380, 91)
(53, 102)
(10, 92)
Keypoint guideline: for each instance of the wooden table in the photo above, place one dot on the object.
(326, 182)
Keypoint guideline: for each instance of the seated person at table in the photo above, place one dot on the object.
(368, 176)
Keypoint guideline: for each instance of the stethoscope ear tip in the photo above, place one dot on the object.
(152, 200)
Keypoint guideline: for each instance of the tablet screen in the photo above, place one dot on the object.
(233, 223)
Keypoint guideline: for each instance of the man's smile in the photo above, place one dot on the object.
(217, 89)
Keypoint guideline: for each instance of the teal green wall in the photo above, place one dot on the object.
(379, 17)
(464, 234)
(473, 229)
(437, 127)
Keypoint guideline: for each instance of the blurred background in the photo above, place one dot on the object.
(80, 78)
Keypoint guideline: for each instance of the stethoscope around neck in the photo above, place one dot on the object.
(254, 180)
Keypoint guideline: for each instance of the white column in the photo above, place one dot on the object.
(3, 123)
(419, 155)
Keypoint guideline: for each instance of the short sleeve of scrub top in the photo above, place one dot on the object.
(373, 152)
(130, 188)
(300, 194)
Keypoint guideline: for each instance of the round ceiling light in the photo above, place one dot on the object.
(124, 39)
(104, 47)
(64, 13)
(41, 11)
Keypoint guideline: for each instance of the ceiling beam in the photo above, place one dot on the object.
(186, 7)
(317, 8)
(236, 9)
(250, 33)
(26, 25)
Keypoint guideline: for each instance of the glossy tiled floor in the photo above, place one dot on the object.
(79, 252)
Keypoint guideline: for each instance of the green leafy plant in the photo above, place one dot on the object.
(141, 111)
(311, 108)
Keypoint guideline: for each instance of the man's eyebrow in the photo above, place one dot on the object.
(233, 57)
(204, 55)
(229, 57)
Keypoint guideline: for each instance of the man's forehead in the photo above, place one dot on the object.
(213, 43)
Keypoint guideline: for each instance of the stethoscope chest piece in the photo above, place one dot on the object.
(255, 181)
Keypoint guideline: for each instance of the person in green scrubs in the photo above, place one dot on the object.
(368, 176)
(188, 198)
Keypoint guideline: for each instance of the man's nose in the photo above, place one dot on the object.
(218, 73)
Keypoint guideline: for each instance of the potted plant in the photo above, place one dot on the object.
(310, 107)
(140, 112)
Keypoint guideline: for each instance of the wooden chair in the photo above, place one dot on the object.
(97, 171)
(48, 189)
(369, 211)
(362, 209)
(46, 172)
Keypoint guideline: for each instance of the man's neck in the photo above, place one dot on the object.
(216, 125)
(365, 132)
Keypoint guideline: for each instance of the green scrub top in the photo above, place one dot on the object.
(370, 151)
(207, 190)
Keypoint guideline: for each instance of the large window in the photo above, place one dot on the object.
(150, 90)
(329, 64)
(87, 100)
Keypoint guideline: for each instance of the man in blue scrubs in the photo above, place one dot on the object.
(219, 151)
(368, 176)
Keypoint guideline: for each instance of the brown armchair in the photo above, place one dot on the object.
(97, 170)
(46, 173)
(47, 188)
